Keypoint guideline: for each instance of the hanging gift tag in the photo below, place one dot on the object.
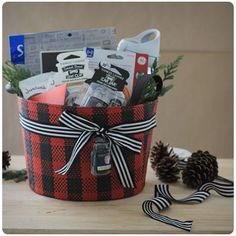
(73, 66)
(100, 157)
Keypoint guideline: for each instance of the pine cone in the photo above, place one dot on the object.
(201, 168)
(6, 158)
(167, 170)
(159, 150)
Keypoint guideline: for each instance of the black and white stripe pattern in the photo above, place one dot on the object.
(48, 130)
(181, 164)
(163, 198)
(225, 190)
(77, 127)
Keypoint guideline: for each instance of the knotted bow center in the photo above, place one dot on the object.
(102, 132)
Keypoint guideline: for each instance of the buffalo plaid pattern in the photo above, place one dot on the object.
(44, 155)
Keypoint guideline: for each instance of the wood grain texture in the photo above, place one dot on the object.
(26, 212)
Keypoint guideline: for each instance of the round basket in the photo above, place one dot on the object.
(44, 154)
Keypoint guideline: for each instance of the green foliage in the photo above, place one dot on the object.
(165, 89)
(156, 67)
(150, 93)
(14, 74)
(168, 72)
(170, 69)
(16, 175)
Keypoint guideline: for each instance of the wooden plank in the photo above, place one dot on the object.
(27, 212)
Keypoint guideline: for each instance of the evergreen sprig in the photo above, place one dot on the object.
(16, 175)
(156, 67)
(168, 72)
(165, 89)
(14, 74)
(170, 69)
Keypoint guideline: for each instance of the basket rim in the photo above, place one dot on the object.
(88, 108)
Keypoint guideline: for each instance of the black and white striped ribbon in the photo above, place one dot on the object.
(77, 127)
(181, 164)
(163, 199)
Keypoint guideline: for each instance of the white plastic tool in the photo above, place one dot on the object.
(147, 42)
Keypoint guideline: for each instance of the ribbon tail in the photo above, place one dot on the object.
(162, 190)
(162, 203)
(163, 198)
(225, 190)
(121, 167)
(80, 143)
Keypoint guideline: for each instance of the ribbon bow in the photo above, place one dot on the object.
(77, 127)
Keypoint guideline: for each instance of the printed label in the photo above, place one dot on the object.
(73, 66)
(105, 75)
(89, 52)
(128, 61)
(17, 49)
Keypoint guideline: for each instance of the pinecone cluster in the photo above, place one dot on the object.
(164, 163)
(200, 168)
(6, 159)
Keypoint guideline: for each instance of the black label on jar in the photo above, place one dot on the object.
(106, 77)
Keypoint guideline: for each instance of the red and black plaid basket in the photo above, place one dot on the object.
(45, 154)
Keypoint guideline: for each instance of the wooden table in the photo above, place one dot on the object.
(27, 212)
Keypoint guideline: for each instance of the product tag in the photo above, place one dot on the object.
(73, 66)
(110, 76)
(131, 62)
(37, 84)
(48, 60)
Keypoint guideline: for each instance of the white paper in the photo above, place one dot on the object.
(37, 84)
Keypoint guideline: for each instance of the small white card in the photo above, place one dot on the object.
(37, 84)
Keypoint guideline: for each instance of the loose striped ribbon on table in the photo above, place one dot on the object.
(74, 126)
(163, 199)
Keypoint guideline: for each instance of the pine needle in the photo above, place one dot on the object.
(16, 175)
(14, 74)
(156, 67)
(165, 89)
(168, 72)
(171, 68)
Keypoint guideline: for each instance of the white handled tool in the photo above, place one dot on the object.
(147, 42)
